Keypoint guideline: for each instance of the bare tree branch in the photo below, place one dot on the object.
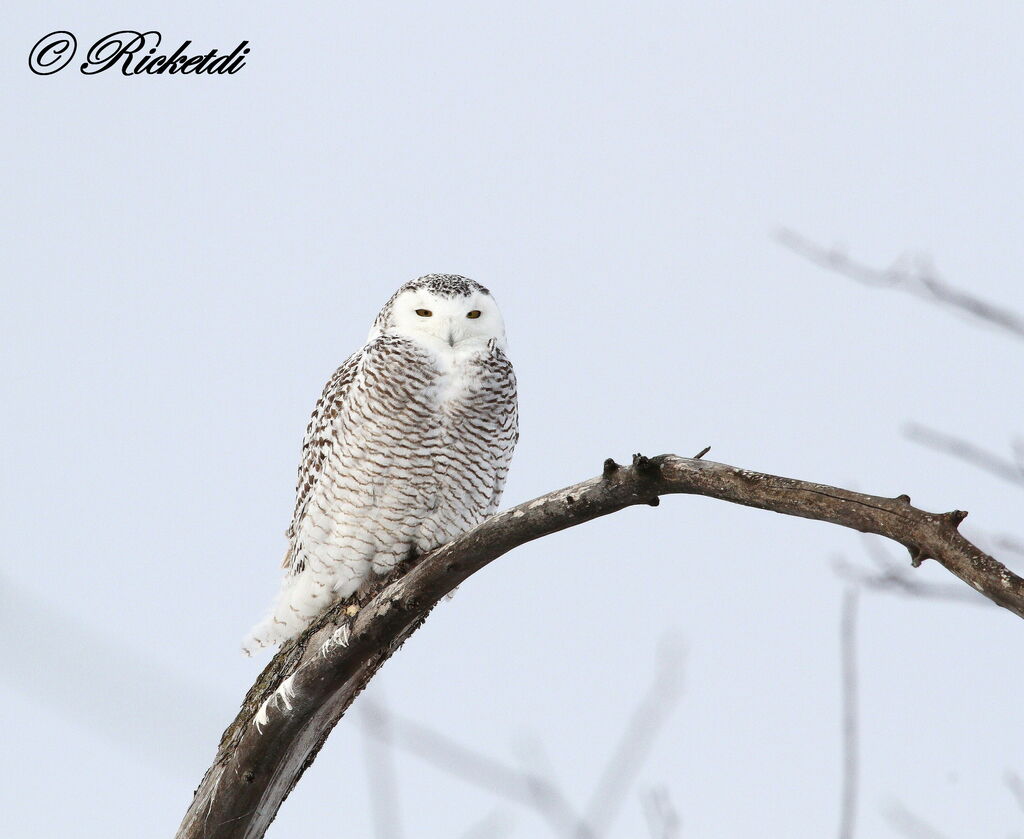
(313, 679)
(848, 660)
(919, 280)
(1008, 470)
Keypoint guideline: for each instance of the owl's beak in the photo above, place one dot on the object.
(451, 334)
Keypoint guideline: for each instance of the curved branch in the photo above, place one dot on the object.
(310, 683)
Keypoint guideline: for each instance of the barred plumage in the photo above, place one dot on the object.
(407, 448)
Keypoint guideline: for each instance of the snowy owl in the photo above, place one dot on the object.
(407, 448)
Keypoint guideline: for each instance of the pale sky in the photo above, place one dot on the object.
(189, 258)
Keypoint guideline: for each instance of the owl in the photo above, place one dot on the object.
(407, 448)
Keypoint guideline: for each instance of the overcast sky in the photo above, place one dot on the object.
(189, 258)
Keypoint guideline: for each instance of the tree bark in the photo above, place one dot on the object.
(310, 683)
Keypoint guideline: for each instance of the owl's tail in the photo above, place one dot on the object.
(267, 633)
(300, 600)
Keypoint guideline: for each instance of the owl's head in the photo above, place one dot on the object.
(442, 309)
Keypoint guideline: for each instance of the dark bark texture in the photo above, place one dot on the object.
(310, 683)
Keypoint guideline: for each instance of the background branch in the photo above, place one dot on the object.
(313, 679)
(1008, 470)
(493, 826)
(909, 824)
(1016, 786)
(520, 787)
(891, 578)
(381, 778)
(636, 741)
(662, 818)
(848, 660)
(917, 278)
(532, 786)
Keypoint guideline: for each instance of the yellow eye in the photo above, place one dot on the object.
(424, 313)
(474, 314)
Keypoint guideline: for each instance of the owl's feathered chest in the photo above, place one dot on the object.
(414, 435)
(420, 388)
(455, 379)
(412, 400)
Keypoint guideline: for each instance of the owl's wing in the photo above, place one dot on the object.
(317, 442)
(506, 435)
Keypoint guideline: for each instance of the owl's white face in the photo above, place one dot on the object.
(442, 322)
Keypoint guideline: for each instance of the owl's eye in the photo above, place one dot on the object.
(424, 313)
(474, 314)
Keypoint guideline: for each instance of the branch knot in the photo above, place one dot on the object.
(955, 517)
(917, 556)
(646, 467)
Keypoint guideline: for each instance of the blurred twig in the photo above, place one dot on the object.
(1016, 786)
(910, 825)
(546, 793)
(156, 714)
(902, 583)
(635, 743)
(1008, 470)
(493, 826)
(1010, 543)
(484, 772)
(894, 579)
(918, 279)
(662, 818)
(848, 658)
(530, 788)
(380, 770)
